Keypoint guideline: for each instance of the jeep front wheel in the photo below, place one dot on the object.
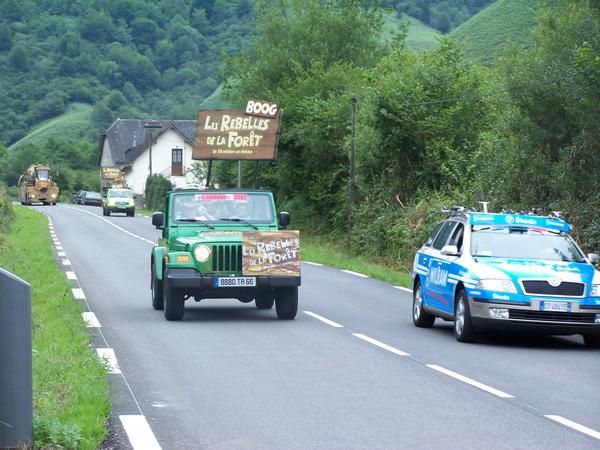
(286, 302)
(173, 301)
(156, 286)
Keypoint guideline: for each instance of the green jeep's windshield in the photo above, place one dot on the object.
(524, 243)
(216, 207)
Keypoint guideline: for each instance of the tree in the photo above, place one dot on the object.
(19, 57)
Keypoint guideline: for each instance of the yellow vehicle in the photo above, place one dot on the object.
(36, 186)
(118, 200)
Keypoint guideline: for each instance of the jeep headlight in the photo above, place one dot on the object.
(201, 253)
(491, 284)
(595, 290)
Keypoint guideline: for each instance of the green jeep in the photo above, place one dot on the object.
(224, 244)
(118, 200)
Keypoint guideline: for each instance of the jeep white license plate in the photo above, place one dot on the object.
(555, 306)
(220, 282)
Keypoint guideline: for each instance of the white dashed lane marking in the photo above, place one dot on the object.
(380, 344)
(110, 359)
(356, 274)
(91, 320)
(78, 293)
(470, 381)
(71, 275)
(139, 433)
(402, 288)
(62, 254)
(574, 425)
(323, 319)
(66, 262)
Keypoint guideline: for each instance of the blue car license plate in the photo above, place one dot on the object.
(220, 282)
(555, 306)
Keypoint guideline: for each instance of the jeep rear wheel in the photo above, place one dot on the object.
(421, 318)
(156, 287)
(286, 302)
(264, 301)
(173, 301)
(463, 328)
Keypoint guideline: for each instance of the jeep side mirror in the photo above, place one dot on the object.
(594, 258)
(158, 220)
(284, 219)
(450, 250)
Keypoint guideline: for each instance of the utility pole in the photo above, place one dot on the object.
(352, 166)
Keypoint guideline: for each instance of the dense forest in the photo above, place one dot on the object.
(125, 57)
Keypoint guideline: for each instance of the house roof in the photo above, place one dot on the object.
(126, 137)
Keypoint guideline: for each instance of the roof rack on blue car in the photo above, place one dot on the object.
(520, 220)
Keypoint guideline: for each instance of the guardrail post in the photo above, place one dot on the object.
(16, 394)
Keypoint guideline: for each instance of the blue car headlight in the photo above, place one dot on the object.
(492, 284)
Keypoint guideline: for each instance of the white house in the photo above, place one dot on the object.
(139, 151)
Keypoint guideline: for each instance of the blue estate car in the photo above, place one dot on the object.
(500, 271)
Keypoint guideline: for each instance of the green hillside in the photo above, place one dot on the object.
(73, 124)
(488, 33)
(420, 36)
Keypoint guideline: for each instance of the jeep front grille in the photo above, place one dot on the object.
(542, 287)
(227, 258)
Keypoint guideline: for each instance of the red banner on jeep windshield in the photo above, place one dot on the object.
(220, 197)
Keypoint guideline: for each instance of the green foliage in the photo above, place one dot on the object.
(440, 14)
(157, 187)
(59, 53)
(503, 24)
(7, 214)
(49, 432)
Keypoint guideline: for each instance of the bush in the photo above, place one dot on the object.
(157, 187)
(6, 210)
(50, 433)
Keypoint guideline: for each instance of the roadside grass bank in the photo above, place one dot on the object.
(70, 385)
(322, 250)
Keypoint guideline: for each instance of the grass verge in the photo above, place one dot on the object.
(70, 387)
(322, 250)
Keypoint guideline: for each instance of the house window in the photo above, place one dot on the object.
(176, 162)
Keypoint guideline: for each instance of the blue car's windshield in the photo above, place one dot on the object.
(524, 243)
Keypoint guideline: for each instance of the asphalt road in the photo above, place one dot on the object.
(231, 376)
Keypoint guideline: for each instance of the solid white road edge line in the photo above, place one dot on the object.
(112, 224)
(91, 320)
(78, 293)
(313, 264)
(574, 425)
(139, 433)
(71, 275)
(467, 380)
(380, 344)
(356, 274)
(108, 355)
(323, 319)
(402, 288)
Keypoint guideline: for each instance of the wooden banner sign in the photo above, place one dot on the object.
(110, 173)
(271, 253)
(233, 134)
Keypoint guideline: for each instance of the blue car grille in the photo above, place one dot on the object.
(542, 287)
(551, 316)
(227, 258)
